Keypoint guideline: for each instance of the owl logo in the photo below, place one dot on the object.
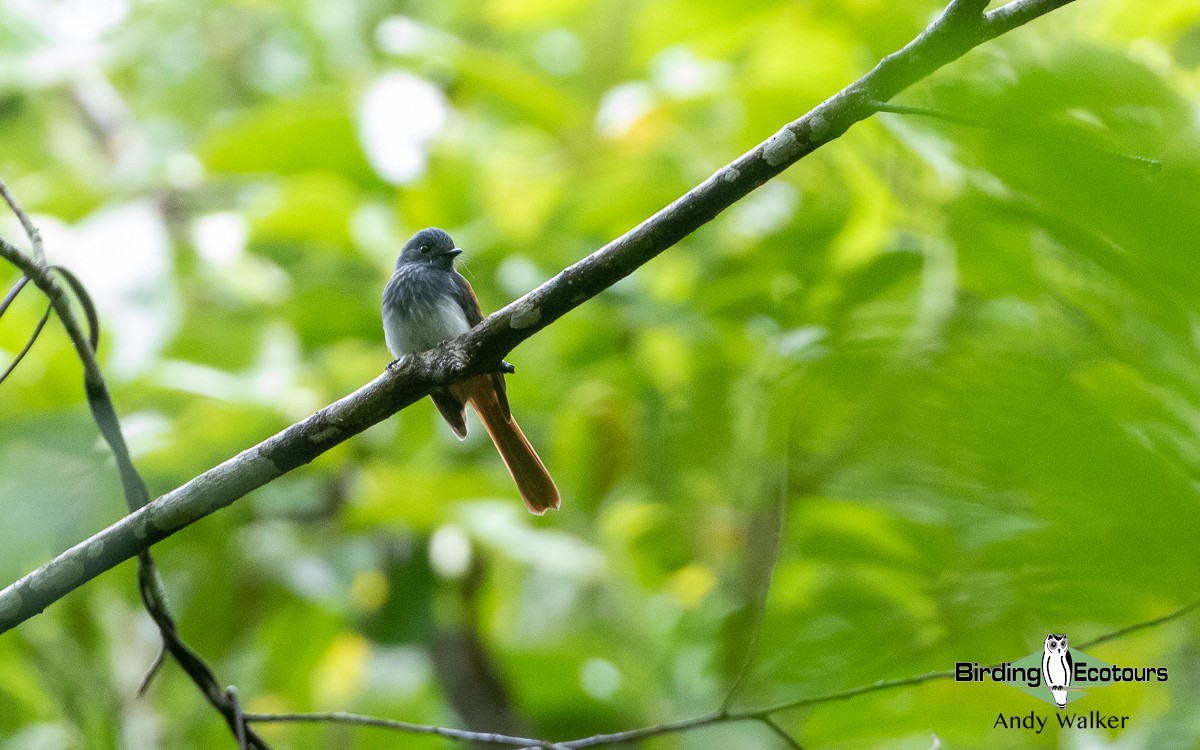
(1057, 667)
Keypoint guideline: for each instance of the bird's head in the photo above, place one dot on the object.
(430, 246)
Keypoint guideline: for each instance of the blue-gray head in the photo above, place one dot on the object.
(431, 246)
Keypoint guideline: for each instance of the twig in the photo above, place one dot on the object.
(1142, 162)
(85, 301)
(1153, 166)
(782, 733)
(35, 237)
(672, 727)
(481, 349)
(1017, 13)
(155, 600)
(842, 695)
(936, 114)
(341, 717)
(12, 294)
(152, 671)
(778, 513)
(37, 331)
(1141, 626)
(239, 731)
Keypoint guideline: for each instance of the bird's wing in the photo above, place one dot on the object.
(474, 313)
(452, 410)
(467, 300)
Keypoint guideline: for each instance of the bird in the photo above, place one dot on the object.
(427, 302)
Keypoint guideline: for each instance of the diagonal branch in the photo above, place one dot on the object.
(959, 29)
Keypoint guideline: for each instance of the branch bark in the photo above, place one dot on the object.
(962, 26)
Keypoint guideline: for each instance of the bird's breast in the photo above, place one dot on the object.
(419, 312)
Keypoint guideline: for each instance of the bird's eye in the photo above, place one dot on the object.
(424, 248)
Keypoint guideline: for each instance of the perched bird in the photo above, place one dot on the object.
(427, 302)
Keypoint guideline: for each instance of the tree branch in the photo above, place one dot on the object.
(951, 35)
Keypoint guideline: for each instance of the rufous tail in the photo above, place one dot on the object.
(533, 481)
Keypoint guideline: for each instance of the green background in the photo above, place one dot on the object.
(965, 360)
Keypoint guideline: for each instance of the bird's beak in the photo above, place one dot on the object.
(454, 251)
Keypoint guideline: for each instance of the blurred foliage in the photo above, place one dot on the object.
(966, 360)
